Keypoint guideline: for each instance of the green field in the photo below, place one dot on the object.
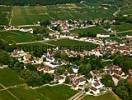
(73, 44)
(22, 15)
(16, 36)
(91, 31)
(5, 13)
(125, 33)
(60, 92)
(8, 77)
(4, 95)
(107, 96)
(122, 27)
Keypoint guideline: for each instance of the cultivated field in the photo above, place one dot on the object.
(9, 77)
(122, 27)
(107, 96)
(35, 47)
(22, 15)
(73, 44)
(12, 87)
(16, 36)
(5, 13)
(91, 31)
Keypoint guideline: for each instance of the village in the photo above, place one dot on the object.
(47, 63)
(93, 85)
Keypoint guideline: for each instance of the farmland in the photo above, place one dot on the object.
(34, 47)
(107, 96)
(73, 44)
(5, 13)
(24, 92)
(22, 15)
(16, 36)
(91, 31)
(11, 77)
(122, 27)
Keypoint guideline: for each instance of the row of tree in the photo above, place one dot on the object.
(36, 2)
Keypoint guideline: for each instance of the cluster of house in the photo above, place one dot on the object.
(116, 73)
(26, 57)
(114, 47)
(48, 64)
(67, 25)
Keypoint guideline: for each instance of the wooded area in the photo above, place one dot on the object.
(36, 2)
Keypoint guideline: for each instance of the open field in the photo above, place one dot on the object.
(5, 13)
(122, 27)
(22, 15)
(73, 44)
(16, 36)
(60, 92)
(125, 33)
(91, 31)
(4, 95)
(9, 77)
(107, 96)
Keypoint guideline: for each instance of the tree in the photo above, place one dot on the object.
(107, 81)
(4, 57)
(47, 78)
(31, 67)
(124, 90)
(36, 2)
(96, 62)
(25, 73)
(41, 31)
(45, 23)
(18, 66)
(85, 69)
(67, 80)
(60, 70)
(35, 79)
(125, 62)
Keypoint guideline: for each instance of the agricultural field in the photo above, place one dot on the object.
(43, 93)
(9, 77)
(22, 15)
(91, 31)
(5, 13)
(125, 33)
(122, 27)
(34, 47)
(72, 44)
(4, 95)
(107, 96)
(16, 36)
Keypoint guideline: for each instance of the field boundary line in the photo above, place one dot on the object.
(9, 92)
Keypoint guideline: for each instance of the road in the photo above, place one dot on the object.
(42, 41)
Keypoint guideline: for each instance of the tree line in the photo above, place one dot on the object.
(36, 2)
